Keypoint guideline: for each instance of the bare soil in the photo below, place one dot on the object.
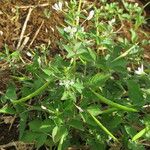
(12, 17)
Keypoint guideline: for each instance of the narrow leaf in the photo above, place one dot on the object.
(140, 134)
(7, 110)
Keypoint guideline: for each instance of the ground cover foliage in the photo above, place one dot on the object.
(95, 94)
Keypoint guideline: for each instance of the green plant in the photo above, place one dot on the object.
(93, 94)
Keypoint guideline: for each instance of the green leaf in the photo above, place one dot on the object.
(22, 124)
(11, 92)
(34, 137)
(47, 125)
(77, 46)
(103, 127)
(41, 125)
(40, 140)
(7, 110)
(29, 136)
(65, 95)
(15, 55)
(135, 146)
(60, 145)
(48, 72)
(68, 48)
(135, 93)
(78, 86)
(96, 145)
(58, 133)
(140, 134)
(99, 79)
(134, 36)
(77, 124)
(35, 125)
(74, 50)
(92, 54)
(131, 131)
(94, 110)
(114, 121)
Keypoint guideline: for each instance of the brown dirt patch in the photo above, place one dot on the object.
(13, 15)
(7, 133)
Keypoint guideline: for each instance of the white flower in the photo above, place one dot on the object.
(29, 54)
(66, 83)
(43, 107)
(91, 14)
(129, 69)
(111, 22)
(70, 30)
(67, 29)
(57, 6)
(140, 70)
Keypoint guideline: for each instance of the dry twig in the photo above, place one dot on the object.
(36, 33)
(24, 27)
(15, 144)
(34, 6)
(24, 43)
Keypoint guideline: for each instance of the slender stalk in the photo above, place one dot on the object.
(78, 12)
(113, 104)
(125, 53)
(103, 127)
(109, 110)
(37, 92)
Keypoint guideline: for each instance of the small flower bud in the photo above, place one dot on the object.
(91, 14)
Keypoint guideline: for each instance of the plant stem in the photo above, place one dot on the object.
(103, 127)
(78, 12)
(113, 104)
(37, 92)
(109, 110)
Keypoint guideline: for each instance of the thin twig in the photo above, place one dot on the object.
(24, 43)
(12, 122)
(33, 6)
(12, 144)
(36, 33)
(119, 29)
(24, 27)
